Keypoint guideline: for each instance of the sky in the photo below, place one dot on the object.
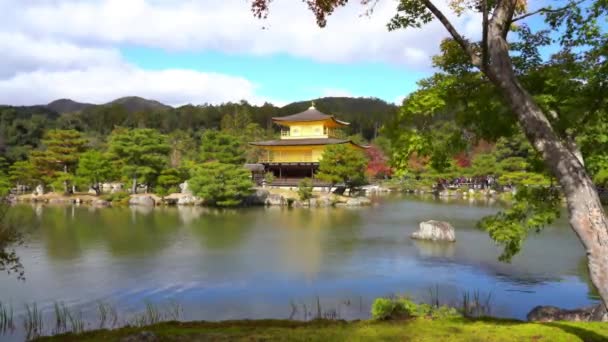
(209, 51)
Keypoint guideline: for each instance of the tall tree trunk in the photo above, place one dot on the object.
(587, 216)
(65, 182)
(134, 186)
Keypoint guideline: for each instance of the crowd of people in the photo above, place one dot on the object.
(481, 182)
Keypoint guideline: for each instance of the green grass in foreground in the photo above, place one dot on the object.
(420, 329)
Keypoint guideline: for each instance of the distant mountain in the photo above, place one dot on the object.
(139, 104)
(67, 106)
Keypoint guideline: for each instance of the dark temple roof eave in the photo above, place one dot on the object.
(304, 142)
(311, 114)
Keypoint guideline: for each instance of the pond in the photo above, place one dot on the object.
(277, 263)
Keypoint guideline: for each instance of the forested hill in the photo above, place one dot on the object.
(138, 104)
(365, 114)
(21, 128)
(67, 106)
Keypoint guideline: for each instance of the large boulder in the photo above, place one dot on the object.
(146, 201)
(435, 231)
(275, 200)
(189, 200)
(257, 198)
(39, 191)
(595, 313)
(185, 189)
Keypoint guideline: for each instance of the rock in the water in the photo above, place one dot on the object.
(595, 313)
(101, 203)
(358, 201)
(257, 198)
(274, 199)
(59, 200)
(435, 231)
(189, 200)
(146, 201)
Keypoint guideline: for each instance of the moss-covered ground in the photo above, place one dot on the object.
(419, 329)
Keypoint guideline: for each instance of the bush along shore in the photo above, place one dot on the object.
(393, 318)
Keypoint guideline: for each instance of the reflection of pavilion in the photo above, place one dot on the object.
(304, 137)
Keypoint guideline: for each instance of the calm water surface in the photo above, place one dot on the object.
(252, 263)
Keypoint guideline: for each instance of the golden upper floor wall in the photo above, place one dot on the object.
(309, 130)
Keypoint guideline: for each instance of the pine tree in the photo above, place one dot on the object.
(140, 153)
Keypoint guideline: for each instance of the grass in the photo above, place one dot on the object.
(419, 329)
(7, 322)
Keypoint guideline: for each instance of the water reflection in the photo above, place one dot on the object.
(436, 249)
(251, 263)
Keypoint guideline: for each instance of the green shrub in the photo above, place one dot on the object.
(391, 308)
(305, 189)
(402, 307)
(269, 178)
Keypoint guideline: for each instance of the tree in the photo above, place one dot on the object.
(343, 164)
(221, 147)
(305, 189)
(23, 174)
(582, 33)
(94, 168)
(183, 147)
(377, 167)
(224, 185)
(59, 159)
(5, 184)
(170, 179)
(140, 153)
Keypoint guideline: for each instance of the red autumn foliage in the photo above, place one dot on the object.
(462, 159)
(377, 165)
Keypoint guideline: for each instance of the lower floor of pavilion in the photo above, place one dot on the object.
(286, 174)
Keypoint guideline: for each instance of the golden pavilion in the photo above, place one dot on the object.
(304, 137)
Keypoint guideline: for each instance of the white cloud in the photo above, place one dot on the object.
(399, 100)
(103, 84)
(229, 26)
(68, 48)
(21, 53)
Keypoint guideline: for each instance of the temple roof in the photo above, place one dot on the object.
(304, 142)
(311, 114)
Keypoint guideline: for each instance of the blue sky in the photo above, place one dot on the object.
(290, 78)
(210, 51)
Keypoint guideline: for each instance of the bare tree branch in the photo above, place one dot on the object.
(548, 10)
(454, 33)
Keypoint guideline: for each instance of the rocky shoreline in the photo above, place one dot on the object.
(260, 197)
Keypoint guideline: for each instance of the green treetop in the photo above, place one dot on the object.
(23, 173)
(220, 184)
(343, 164)
(94, 168)
(59, 158)
(141, 154)
(221, 147)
